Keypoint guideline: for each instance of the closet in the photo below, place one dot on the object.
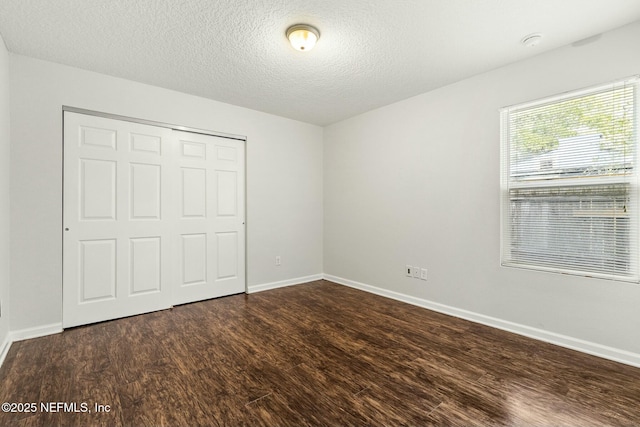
(152, 216)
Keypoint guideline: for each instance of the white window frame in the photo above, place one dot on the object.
(508, 183)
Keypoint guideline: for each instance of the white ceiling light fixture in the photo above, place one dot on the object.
(532, 40)
(303, 37)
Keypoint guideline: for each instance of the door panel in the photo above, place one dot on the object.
(145, 143)
(97, 270)
(97, 137)
(98, 189)
(194, 259)
(211, 217)
(117, 251)
(227, 193)
(227, 255)
(194, 193)
(146, 188)
(146, 268)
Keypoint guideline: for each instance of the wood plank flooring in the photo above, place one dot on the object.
(318, 354)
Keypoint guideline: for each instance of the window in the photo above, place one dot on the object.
(570, 183)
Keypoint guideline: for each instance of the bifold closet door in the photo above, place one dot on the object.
(211, 224)
(117, 237)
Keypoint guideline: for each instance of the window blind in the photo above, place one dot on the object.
(569, 183)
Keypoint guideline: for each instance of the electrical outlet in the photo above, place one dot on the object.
(423, 274)
(278, 261)
(415, 272)
(407, 270)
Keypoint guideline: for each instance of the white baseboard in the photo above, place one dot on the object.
(25, 334)
(38, 331)
(611, 353)
(274, 285)
(4, 347)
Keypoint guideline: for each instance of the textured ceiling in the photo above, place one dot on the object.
(371, 52)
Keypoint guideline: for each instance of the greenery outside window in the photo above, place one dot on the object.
(570, 183)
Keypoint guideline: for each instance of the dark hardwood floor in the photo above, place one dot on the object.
(318, 354)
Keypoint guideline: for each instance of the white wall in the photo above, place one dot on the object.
(4, 195)
(284, 181)
(417, 182)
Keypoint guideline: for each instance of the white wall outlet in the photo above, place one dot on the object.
(415, 272)
(423, 274)
(407, 270)
(278, 261)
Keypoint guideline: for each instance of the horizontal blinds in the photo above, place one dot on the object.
(586, 229)
(569, 183)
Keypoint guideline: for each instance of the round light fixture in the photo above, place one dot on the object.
(532, 40)
(303, 37)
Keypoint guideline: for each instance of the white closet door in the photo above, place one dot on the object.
(210, 210)
(117, 257)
